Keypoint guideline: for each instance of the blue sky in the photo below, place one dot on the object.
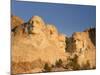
(67, 18)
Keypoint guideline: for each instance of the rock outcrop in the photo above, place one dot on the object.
(83, 44)
(44, 43)
(16, 21)
(35, 43)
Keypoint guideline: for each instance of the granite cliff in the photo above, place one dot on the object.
(38, 47)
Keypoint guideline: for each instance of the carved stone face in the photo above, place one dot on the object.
(37, 21)
(79, 41)
(51, 29)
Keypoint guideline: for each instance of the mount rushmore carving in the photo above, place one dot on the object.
(35, 43)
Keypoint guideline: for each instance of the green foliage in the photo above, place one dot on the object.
(73, 63)
(47, 68)
(59, 63)
(52, 66)
(69, 42)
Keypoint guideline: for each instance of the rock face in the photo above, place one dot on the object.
(35, 43)
(16, 21)
(83, 44)
(44, 43)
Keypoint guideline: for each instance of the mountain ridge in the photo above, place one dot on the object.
(39, 43)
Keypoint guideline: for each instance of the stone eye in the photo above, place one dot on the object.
(51, 32)
(37, 22)
(32, 22)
